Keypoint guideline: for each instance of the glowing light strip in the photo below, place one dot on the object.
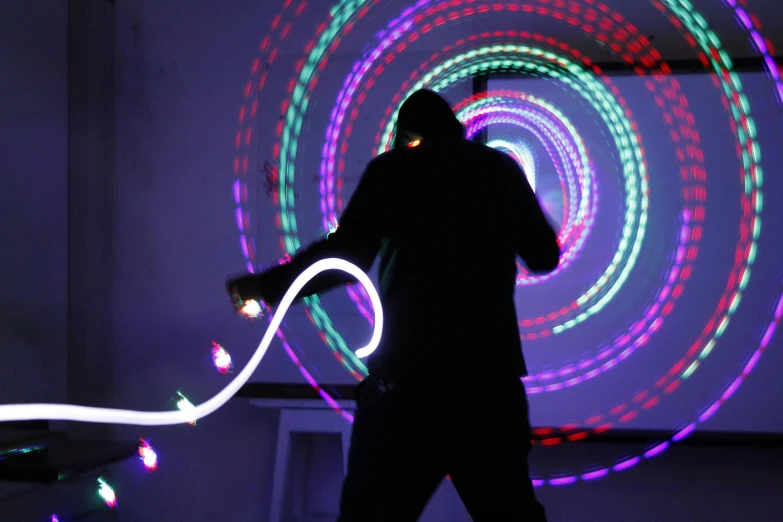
(70, 412)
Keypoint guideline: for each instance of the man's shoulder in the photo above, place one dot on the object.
(385, 158)
(394, 159)
(492, 153)
(383, 163)
(476, 148)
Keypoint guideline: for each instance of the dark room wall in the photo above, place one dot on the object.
(33, 187)
(180, 70)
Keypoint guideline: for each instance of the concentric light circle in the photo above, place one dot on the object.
(541, 56)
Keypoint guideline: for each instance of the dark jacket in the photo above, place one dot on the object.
(446, 220)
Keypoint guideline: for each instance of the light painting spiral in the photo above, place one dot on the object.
(555, 140)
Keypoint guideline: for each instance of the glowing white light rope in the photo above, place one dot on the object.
(70, 412)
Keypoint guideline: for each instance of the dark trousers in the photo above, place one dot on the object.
(406, 440)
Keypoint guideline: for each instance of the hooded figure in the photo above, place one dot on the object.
(424, 116)
(446, 218)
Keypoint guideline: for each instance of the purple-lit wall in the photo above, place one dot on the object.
(180, 71)
(33, 209)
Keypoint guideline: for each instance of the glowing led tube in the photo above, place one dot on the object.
(69, 412)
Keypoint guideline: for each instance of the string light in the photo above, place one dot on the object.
(188, 413)
(252, 309)
(107, 493)
(148, 456)
(186, 406)
(249, 309)
(221, 359)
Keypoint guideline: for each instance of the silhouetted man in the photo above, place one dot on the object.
(447, 218)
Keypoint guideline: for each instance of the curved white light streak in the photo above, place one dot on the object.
(70, 412)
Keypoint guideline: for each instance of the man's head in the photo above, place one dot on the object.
(426, 115)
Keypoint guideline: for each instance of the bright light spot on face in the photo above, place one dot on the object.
(107, 493)
(522, 154)
(148, 456)
(221, 358)
(185, 405)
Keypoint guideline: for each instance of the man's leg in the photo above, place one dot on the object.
(489, 458)
(394, 463)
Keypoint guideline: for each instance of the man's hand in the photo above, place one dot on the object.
(245, 287)
(246, 295)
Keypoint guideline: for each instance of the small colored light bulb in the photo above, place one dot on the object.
(148, 456)
(107, 493)
(414, 143)
(185, 405)
(221, 358)
(251, 309)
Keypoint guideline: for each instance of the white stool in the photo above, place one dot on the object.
(302, 416)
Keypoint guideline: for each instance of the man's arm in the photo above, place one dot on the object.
(537, 244)
(356, 240)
